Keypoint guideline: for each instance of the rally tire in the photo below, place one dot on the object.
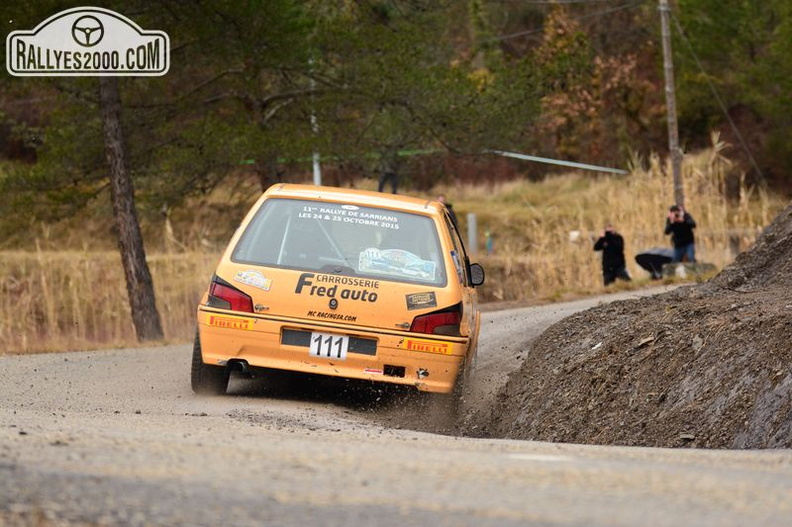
(205, 378)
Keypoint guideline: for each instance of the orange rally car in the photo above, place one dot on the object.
(340, 282)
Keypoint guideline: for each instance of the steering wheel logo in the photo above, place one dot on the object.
(87, 31)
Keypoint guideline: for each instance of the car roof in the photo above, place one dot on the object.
(359, 197)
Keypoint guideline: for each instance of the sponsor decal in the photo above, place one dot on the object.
(332, 316)
(374, 371)
(254, 279)
(428, 346)
(87, 41)
(396, 262)
(349, 214)
(421, 300)
(347, 280)
(307, 282)
(230, 322)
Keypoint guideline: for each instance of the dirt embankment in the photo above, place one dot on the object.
(707, 365)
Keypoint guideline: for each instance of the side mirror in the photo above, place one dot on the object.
(476, 274)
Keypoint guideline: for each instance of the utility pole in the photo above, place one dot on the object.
(317, 166)
(673, 132)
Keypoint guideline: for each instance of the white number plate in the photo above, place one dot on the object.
(329, 346)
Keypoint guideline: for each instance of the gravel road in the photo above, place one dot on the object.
(117, 438)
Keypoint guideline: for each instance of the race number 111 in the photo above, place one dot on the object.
(329, 346)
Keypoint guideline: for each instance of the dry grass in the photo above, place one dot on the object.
(68, 300)
(55, 299)
(543, 234)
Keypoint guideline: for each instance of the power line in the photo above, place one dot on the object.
(559, 162)
(718, 98)
(579, 18)
(557, 2)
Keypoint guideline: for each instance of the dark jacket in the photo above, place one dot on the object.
(612, 247)
(451, 213)
(681, 231)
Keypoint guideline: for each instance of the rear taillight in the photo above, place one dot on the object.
(438, 323)
(228, 297)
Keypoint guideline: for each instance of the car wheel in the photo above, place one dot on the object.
(205, 378)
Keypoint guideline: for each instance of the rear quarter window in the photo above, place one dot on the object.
(345, 239)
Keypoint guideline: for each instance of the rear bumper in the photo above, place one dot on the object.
(430, 364)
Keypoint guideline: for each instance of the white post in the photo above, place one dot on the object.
(317, 169)
(472, 233)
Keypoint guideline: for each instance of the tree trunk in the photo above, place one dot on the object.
(267, 171)
(140, 287)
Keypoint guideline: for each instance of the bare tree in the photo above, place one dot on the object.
(140, 287)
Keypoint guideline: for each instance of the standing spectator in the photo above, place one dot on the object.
(680, 225)
(442, 199)
(389, 169)
(611, 244)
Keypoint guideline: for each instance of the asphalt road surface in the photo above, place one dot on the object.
(117, 438)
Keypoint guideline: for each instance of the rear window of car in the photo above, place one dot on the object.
(343, 239)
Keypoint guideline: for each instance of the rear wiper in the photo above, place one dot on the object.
(337, 269)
